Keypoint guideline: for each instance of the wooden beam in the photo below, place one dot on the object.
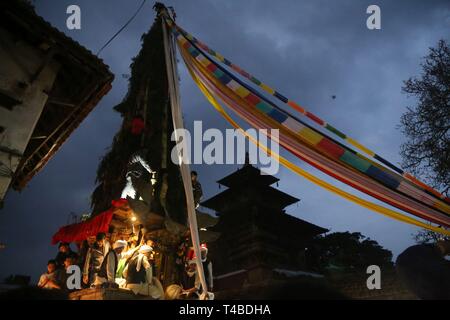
(61, 103)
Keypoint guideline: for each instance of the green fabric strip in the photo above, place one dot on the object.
(354, 161)
(336, 131)
(264, 107)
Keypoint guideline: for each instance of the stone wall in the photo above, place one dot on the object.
(19, 62)
(354, 286)
(334, 286)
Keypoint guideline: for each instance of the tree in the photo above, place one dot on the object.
(426, 153)
(428, 236)
(147, 100)
(349, 251)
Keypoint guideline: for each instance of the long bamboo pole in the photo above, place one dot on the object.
(172, 77)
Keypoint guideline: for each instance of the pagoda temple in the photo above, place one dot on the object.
(257, 236)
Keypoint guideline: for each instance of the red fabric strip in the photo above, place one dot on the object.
(331, 148)
(81, 231)
(314, 118)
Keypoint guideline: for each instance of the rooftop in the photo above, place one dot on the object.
(82, 81)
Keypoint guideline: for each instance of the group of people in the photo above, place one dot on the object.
(125, 265)
(122, 264)
(190, 285)
(56, 275)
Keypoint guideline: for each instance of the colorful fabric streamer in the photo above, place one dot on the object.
(306, 113)
(313, 147)
(364, 203)
(343, 174)
(307, 135)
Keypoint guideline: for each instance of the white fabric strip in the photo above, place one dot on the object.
(172, 76)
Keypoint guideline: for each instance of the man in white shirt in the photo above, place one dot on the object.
(108, 268)
(48, 280)
(139, 275)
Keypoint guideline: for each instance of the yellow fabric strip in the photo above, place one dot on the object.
(360, 146)
(267, 88)
(364, 203)
(220, 57)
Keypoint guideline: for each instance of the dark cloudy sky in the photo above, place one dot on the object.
(308, 50)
